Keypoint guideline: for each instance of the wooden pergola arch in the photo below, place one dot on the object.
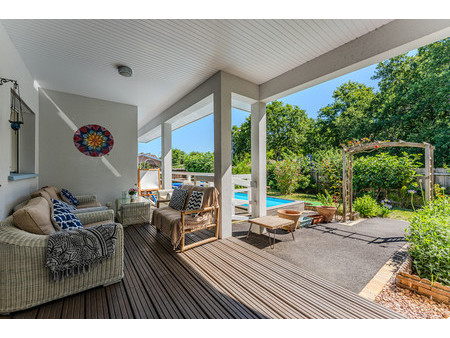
(347, 168)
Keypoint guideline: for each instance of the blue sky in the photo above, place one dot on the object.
(199, 136)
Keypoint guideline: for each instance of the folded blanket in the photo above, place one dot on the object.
(71, 252)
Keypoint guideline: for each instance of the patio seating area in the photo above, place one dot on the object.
(91, 91)
(224, 279)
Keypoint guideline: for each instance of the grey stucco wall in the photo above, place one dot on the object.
(62, 165)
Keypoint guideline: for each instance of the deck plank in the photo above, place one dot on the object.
(224, 306)
(222, 279)
(196, 290)
(185, 303)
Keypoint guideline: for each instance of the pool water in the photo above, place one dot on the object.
(270, 201)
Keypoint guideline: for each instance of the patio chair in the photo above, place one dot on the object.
(149, 182)
(176, 224)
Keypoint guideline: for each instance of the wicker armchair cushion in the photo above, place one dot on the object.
(41, 193)
(35, 217)
(52, 191)
(48, 198)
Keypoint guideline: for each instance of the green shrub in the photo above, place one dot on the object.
(289, 173)
(328, 164)
(199, 162)
(243, 166)
(368, 207)
(429, 238)
(326, 199)
(384, 172)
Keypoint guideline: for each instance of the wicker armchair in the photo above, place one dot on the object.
(25, 281)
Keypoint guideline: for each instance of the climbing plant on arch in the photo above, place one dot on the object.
(347, 168)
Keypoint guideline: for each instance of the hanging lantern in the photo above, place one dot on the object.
(16, 115)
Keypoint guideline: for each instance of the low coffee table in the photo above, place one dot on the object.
(136, 212)
(271, 223)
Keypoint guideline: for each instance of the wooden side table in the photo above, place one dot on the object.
(271, 223)
(137, 212)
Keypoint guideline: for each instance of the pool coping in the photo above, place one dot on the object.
(291, 204)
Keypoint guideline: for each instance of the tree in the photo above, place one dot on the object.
(413, 101)
(178, 157)
(287, 129)
(348, 116)
(199, 162)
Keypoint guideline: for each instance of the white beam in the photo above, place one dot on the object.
(222, 156)
(258, 156)
(166, 155)
(394, 38)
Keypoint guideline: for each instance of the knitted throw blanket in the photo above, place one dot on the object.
(71, 252)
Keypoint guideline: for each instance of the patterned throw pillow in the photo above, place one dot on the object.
(65, 218)
(178, 198)
(68, 197)
(195, 201)
(62, 205)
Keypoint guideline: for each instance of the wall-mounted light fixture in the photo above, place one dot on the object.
(16, 115)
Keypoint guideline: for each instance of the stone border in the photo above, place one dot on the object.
(384, 275)
(435, 291)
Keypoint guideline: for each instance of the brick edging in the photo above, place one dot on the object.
(435, 291)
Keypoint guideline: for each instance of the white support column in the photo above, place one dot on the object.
(258, 149)
(166, 155)
(222, 157)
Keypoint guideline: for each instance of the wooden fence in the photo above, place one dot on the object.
(441, 176)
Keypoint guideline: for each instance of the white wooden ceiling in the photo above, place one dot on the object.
(169, 57)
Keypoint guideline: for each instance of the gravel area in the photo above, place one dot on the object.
(411, 304)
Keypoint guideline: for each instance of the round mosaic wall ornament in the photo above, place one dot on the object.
(93, 140)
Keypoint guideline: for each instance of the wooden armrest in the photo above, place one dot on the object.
(197, 211)
(161, 201)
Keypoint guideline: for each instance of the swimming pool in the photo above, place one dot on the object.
(270, 201)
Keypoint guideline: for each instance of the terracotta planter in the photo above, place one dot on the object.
(327, 212)
(316, 218)
(290, 214)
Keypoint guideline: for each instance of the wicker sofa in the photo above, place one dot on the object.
(25, 281)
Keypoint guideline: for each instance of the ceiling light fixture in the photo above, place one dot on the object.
(125, 71)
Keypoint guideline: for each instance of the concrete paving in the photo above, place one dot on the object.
(350, 256)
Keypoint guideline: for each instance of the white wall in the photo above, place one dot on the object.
(13, 67)
(62, 165)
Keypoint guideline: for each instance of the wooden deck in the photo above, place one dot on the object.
(223, 279)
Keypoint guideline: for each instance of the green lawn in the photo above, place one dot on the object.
(401, 214)
(396, 213)
(296, 196)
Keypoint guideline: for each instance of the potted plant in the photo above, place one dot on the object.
(328, 208)
(132, 192)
